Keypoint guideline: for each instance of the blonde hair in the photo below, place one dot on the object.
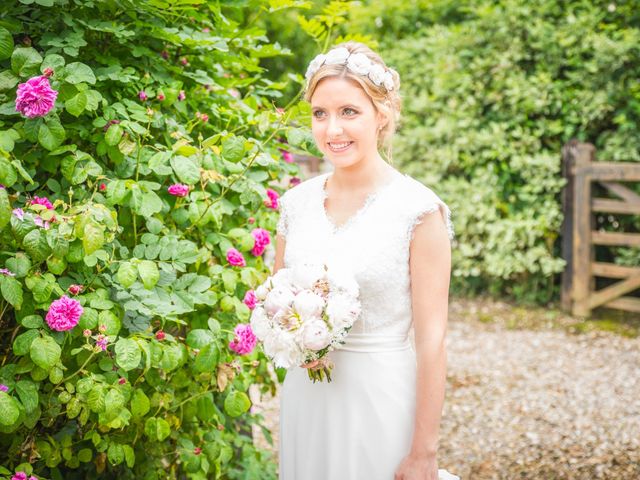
(386, 102)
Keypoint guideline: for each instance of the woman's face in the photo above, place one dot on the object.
(344, 122)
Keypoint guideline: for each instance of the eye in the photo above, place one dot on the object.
(317, 114)
(349, 112)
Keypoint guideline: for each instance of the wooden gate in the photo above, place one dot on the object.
(579, 235)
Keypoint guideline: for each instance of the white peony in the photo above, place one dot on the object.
(282, 279)
(359, 63)
(337, 56)
(315, 64)
(376, 74)
(342, 310)
(282, 347)
(308, 304)
(304, 276)
(278, 299)
(316, 335)
(260, 323)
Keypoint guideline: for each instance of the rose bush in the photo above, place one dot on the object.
(140, 162)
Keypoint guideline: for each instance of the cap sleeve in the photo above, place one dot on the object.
(426, 202)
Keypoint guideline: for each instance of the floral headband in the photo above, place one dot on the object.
(356, 62)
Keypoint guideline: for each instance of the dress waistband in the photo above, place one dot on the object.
(368, 343)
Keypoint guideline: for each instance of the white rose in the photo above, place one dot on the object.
(376, 74)
(262, 291)
(359, 63)
(315, 64)
(283, 349)
(260, 323)
(308, 304)
(388, 81)
(337, 56)
(316, 335)
(342, 310)
(278, 299)
(304, 276)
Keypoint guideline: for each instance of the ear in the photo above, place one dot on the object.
(381, 120)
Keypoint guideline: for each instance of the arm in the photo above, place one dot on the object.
(430, 268)
(279, 260)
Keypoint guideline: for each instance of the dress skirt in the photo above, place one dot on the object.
(360, 425)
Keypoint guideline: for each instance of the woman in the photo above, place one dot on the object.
(379, 417)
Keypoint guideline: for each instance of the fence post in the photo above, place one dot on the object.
(576, 227)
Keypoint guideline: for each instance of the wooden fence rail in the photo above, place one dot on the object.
(579, 236)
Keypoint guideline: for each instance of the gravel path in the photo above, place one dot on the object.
(534, 403)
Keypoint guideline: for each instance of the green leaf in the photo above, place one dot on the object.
(20, 264)
(25, 61)
(157, 429)
(113, 402)
(207, 359)
(51, 134)
(12, 291)
(6, 43)
(115, 454)
(96, 399)
(53, 61)
(151, 204)
(93, 237)
(199, 338)
(128, 354)
(129, 456)
(85, 455)
(28, 393)
(35, 243)
(114, 134)
(32, 321)
(149, 273)
(77, 104)
(127, 274)
(77, 72)
(233, 148)
(9, 411)
(139, 403)
(186, 169)
(5, 208)
(8, 80)
(111, 321)
(45, 352)
(22, 343)
(236, 403)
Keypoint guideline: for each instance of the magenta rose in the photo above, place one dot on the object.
(262, 239)
(245, 341)
(235, 258)
(272, 202)
(178, 190)
(35, 97)
(250, 299)
(44, 201)
(64, 314)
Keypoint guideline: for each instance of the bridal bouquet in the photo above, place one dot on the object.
(303, 313)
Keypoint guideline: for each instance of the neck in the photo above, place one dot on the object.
(363, 176)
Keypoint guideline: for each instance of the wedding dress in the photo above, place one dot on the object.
(359, 426)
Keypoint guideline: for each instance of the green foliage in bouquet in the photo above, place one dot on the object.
(145, 153)
(492, 90)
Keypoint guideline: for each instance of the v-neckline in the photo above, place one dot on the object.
(360, 211)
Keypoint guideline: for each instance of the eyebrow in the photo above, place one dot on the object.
(348, 105)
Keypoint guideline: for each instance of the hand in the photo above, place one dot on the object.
(414, 467)
(311, 365)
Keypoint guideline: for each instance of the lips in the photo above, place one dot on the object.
(338, 147)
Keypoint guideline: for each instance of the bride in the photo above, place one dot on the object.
(379, 418)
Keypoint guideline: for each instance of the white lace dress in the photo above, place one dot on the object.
(360, 425)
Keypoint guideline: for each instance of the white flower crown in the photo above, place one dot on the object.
(356, 62)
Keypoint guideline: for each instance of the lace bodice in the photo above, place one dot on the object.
(373, 244)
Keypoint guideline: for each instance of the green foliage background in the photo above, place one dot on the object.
(492, 90)
(148, 407)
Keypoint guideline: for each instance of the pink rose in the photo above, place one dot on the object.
(272, 202)
(235, 258)
(3, 388)
(250, 299)
(35, 97)
(287, 156)
(75, 289)
(182, 95)
(44, 201)
(160, 96)
(245, 341)
(142, 95)
(262, 239)
(64, 314)
(293, 181)
(178, 190)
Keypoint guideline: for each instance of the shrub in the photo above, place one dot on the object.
(155, 160)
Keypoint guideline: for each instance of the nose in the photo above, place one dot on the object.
(334, 129)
